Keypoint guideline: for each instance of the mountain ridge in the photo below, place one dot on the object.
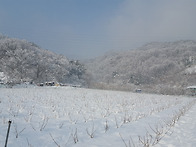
(22, 61)
(157, 67)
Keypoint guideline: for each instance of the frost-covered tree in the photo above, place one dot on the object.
(25, 61)
(146, 67)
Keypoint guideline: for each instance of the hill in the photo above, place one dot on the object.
(158, 67)
(165, 68)
(23, 61)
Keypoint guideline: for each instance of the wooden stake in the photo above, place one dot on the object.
(9, 125)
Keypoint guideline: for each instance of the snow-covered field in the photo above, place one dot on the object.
(64, 117)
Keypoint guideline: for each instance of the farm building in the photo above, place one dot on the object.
(191, 90)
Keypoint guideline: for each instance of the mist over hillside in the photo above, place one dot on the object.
(23, 61)
(166, 68)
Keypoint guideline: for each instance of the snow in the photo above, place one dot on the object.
(191, 87)
(191, 70)
(76, 117)
(184, 132)
(3, 77)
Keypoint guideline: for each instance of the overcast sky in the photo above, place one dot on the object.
(88, 28)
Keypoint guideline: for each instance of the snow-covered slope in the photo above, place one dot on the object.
(155, 67)
(191, 70)
(63, 116)
(24, 61)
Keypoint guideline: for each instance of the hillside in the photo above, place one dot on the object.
(166, 68)
(157, 67)
(23, 61)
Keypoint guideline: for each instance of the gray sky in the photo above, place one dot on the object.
(89, 28)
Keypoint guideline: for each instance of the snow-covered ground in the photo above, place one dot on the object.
(64, 117)
(184, 132)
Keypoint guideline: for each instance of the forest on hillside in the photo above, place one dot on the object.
(23, 61)
(158, 67)
(166, 68)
